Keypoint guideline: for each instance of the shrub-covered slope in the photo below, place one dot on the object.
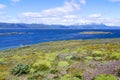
(63, 60)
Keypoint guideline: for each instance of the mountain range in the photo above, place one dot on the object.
(44, 26)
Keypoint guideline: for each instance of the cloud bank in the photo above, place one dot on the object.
(64, 14)
(2, 6)
(60, 15)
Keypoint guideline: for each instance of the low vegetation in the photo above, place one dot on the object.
(105, 77)
(20, 69)
(63, 60)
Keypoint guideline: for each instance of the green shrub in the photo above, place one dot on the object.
(97, 53)
(42, 65)
(36, 76)
(78, 75)
(68, 57)
(114, 56)
(15, 79)
(20, 69)
(50, 56)
(69, 77)
(63, 64)
(89, 58)
(54, 71)
(105, 77)
(2, 59)
(65, 50)
(17, 57)
(32, 70)
(97, 58)
(119, 71)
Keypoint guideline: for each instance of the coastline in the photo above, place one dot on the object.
(15, 47)
(92, 41)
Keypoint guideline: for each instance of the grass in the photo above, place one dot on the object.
(62, 60)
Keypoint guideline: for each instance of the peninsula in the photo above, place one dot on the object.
(95, 32)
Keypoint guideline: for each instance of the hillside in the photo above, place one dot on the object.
(62, 60)
(45, 26)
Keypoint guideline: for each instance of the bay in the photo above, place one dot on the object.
(11, 38)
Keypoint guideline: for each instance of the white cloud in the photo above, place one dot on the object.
(99, 20)
(2, 6)
(83, 1)
(94, 15)
(67, 8)
(75, 4)
(52, 15)
(15, 1)
(114, 0)
(30, 15)
(65, 15)
(71, 19)
(111, 21)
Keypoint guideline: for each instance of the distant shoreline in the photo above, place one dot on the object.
(32, 45)
(13, 33)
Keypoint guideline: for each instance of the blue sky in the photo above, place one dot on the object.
(65, 12)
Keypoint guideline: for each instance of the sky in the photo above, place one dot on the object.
(64, 12)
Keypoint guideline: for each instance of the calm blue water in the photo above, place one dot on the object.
(37, 36)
